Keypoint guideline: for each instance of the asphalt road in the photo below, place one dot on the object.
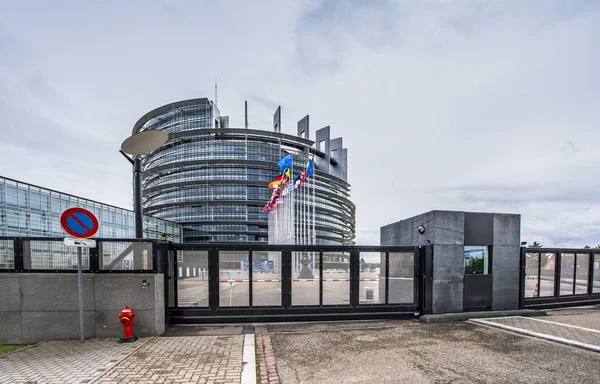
(412, 352)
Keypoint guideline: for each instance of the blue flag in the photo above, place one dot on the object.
(285, 163)
(311, 167)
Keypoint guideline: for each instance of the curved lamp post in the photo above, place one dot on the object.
(137, 145)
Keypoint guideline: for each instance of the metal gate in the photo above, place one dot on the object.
(553, 277)
(250, 282)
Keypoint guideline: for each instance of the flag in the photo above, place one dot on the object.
(277, 181)
(299, 179)
(281, 179)
(298, 176)
(311, 167)
(285, 162)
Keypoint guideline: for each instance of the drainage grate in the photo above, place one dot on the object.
(562, 333)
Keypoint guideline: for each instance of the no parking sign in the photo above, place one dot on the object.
(79, 222)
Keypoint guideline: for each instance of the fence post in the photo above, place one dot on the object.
(354, 277)
(428, 280)
(161, 266)
(94, 259)
(522, 264)
(18, 254)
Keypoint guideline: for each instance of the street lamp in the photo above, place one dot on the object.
(137, 145)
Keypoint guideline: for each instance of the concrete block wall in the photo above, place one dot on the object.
(36, 307)
(506, 261)
(445, 230)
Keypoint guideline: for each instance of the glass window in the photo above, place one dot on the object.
(581, 274)
(234, 287)
(476, 260)
(266, 278)
(567, 271)
(401, 282)
(548, 266)
(372, 278)
(336, 278)
(11, 194)
(192, 286)
(532, 265)
(23, 196)
(306, 277)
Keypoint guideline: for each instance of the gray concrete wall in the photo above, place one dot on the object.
(405, 232)
(36, 307)
(445, 230)
(506, 261)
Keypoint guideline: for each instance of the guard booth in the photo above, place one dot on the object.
(475, 260)
(253, 282)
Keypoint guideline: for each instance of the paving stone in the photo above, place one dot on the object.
(64, 361)
(175, 360)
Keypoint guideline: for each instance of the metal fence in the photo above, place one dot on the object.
(247, 282)
(557, 277)
(24, 254)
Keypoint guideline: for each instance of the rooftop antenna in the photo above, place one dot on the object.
(246, 114)
(215, 90)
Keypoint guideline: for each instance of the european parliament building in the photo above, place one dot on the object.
(207, 183)
(213, 179)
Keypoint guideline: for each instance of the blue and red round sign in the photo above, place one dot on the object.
(79, 222)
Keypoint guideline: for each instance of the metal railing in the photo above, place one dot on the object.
(247, 282)
(43, 254)
(552, 277)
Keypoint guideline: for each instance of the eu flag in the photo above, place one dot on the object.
(311, 167)
(285, 163)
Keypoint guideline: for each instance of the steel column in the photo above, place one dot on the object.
(137, 186)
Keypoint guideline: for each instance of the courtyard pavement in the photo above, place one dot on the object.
(406, 351)
(180, 359)
(385, 351)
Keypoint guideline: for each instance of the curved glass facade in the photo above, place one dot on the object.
(213, 179)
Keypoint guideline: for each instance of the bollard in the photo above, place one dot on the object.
(126, 318)
(369, 293)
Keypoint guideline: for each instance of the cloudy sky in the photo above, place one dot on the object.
(459, 105)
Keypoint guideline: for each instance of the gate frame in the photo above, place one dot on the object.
(557, 301)
(287, 312)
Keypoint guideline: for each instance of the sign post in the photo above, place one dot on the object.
(81, 224)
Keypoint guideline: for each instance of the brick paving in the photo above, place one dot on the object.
(266, 357)
(191, 359)
(64, 361)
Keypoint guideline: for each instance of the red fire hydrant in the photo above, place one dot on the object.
(126, 318)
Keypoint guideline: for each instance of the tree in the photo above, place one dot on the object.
(536, 245)
(597, 246)
(587, 247)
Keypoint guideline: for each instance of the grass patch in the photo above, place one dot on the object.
(257, 367)
(4, 349)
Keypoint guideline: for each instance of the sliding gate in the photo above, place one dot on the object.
(559, 277)
(240, 283)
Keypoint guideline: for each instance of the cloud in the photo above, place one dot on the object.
(441, 104)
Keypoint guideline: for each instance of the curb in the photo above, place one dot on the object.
(450, 317)
(249, 360)
(544, 336)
